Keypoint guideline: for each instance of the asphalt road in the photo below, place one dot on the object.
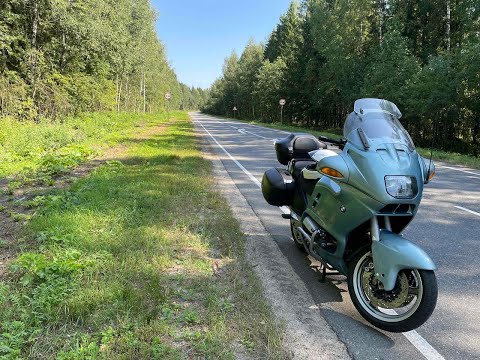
(447, 227)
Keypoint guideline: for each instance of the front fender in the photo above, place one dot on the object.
(394, 253)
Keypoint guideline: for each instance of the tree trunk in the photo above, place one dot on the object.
(116, 92)
(62, 55)
(33, 42)
(449, 19)
(119, 93)
(144, 98)
(381, 13)
(476, 132)
(126, 94)
(361, 36)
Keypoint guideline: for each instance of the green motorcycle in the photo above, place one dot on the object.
(348, 210)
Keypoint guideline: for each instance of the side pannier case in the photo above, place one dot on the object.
(296, 146)
(278, 187)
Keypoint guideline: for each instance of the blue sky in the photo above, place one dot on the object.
(200, 34)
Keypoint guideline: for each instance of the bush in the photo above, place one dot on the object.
(15, 100)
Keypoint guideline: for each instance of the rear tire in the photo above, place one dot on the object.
(419, 304)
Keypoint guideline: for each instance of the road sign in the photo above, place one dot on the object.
(168, 96)
(282, 102)
(234, 108)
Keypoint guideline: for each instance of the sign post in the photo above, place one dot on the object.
(168, 96)
(234, 111)
(282, 103)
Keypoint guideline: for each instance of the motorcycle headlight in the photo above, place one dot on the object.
(401, 187)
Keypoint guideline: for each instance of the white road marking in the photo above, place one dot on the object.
(422, 345)
(248, 173)
(261, 127)
(467, 210)
(457, 169)
(243, 131)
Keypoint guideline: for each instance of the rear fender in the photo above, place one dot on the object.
(394, 253)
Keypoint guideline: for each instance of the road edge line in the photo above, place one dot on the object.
(467, 210)
(440, 165)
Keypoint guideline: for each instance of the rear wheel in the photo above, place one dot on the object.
(404, 308)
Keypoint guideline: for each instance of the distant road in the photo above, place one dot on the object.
(447, 226)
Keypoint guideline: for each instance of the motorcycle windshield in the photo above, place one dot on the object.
(379, 127)
(363, 106)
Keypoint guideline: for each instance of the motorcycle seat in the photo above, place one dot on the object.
(299, 165)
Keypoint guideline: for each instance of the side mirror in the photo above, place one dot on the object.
(428, 170)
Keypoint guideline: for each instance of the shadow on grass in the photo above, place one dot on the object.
(157, 266)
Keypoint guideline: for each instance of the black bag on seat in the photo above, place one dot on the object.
(278, 187)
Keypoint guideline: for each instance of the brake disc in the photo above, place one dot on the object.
(385, 299)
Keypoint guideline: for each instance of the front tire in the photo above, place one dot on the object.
(405, 308)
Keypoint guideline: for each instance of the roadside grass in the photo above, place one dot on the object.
(451, 157)
(439, 155)
(40, 151)
(140, 259)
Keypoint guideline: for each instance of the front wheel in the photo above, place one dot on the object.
(404, 308)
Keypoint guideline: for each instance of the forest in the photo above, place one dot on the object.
(325, 54)
(64, 57)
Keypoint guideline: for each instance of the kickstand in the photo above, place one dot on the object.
(323, 268)
(324, 273)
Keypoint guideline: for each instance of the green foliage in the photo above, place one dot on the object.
(37, 268)
(62, 57)
(335, 52)
(45, 149)
(268, 86)
(53, 164)
(389, 70)
(286, 40)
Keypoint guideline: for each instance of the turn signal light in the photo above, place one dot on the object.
(432, 174)
(331, 172)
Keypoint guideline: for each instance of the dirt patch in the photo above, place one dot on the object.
(15, 210)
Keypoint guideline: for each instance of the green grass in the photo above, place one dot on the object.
(450, 157)
(119, 266)
(41, 151)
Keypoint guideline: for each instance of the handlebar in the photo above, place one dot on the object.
(339, 142)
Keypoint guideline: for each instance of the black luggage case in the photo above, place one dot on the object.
(296, 145)
(278, 187)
